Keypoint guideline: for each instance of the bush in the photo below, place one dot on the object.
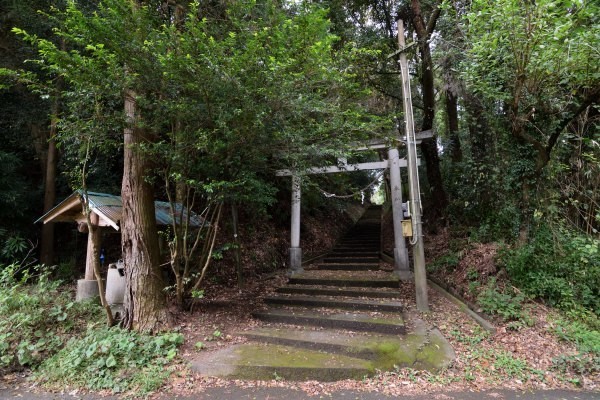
(38, 316)
(505, 303)
(112, 358)
(581, 329)
(559, 266)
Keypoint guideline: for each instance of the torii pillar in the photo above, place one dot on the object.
(401, 264)
(295, 250)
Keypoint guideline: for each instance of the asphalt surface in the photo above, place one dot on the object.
(235, 393)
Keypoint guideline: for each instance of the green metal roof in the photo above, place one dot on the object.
(110, 208)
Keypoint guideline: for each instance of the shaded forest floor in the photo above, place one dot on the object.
(513, 359)
(518, 356)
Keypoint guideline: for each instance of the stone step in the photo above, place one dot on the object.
(389, 323)
(348, 243)
(356, 247)
(363, 346)
(361, 248)
(361, 235)
(371, 239)
(354, 253)
(352, 260)
(370, 278)
(353, 304)
(382, 293)
(420, 349)
(266, 362)
(359, 241)
(347, 266)
(346, 282)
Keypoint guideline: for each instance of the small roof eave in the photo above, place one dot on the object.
(67, 204)
(109, 208)
(112, 223)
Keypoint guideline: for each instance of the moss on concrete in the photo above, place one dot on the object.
(250, 361)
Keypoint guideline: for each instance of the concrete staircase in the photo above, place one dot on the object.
(339, 319)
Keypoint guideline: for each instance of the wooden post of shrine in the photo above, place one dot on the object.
(88, 286)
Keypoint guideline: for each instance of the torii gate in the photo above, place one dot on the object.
(394, 163)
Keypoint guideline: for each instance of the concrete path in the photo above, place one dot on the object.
(235, 393)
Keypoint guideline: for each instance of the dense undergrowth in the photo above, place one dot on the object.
(556, 267)
(66, 343)
(39, 316)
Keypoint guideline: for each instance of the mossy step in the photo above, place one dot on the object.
(339, 291)
(353, 344)
(262, 362)
(362, 322)
(421, 349)
(335, 302)
(349, 266)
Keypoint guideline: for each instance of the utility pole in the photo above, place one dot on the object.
(413, 179)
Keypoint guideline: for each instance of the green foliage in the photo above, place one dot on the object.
(38, 316)
(483, 196)
(511, 366)
(208, 87)
(472, 338)
(537, 43)
(225, 95)
(14, 245)
(581, 328)
(447, 262)
(15, 197)
(505, 303)
(199, 345)
(112, 358)
(581, 364)
(558, 266)
(533, 67)
(575, 172)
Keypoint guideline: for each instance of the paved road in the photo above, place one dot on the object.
(235, 393)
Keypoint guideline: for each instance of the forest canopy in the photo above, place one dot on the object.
(201, 102)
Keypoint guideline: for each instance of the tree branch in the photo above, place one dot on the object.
(593, 97)
(435, 14)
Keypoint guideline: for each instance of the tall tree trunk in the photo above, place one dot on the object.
(452, 115)
(478, 129)
(47, 246)
(145, 307)
(429, 146)
(236, 242)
